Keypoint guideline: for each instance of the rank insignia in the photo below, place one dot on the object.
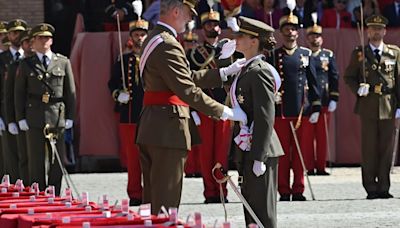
(324, 63)
(240, 99)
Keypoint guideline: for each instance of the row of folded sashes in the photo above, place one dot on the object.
(26, 207)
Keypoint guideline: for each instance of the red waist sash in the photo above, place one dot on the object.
(162, 98)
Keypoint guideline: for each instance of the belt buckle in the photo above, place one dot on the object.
(378, 89)
(46, 98)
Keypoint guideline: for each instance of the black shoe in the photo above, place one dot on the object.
(310, 172)
(214, 199)
(298, 197)
(385, 195)
(285, 197)
(190, 175)
(322, 173)
(196, 175)
(372, 195)
(135, 202)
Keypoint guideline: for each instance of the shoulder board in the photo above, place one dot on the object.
(392, 46)
(61, 56)
(330, 52)
(306, 49)
(167, 38)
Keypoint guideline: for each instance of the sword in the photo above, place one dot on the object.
(227, 178)
(327, 141)
(396, 145)
(121, 55)
(301, 158)
(53, 140)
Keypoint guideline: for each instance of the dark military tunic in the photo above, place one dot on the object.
(129, 113)
(44, 96)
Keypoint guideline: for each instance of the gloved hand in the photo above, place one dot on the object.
(332, 106)
(231, 69)
(259, 168)
(397, 116)
(228, 49)
(314, 117)
(363, 90)
(2, 125)
(23, 125)
(12, 128)
(69, 123)
(123, 97)
(196, 118)
(235, 114)
(231, 22)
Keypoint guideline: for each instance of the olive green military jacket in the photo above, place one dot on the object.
(167, 69)
(8, 92)
(6, 59)
(255, 90)
(384, 94)
(33, 81)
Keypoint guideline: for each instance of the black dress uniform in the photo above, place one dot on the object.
(9, 141)
(298, 98)
(45, 95)
(377, 110)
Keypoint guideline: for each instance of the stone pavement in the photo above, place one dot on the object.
(340, 201)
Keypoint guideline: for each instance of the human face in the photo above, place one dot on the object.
(42, 44)
(290, 33)
(183, 15)
(340, 5)
(246, 44)
(315, 40)
(13, 36)
(26, 46)
(138, 37)
(211, 29)
(376, 33)
(271, 42)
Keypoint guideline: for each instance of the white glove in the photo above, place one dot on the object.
(12, 128)
(23, 125)
(397, 113)
(235, 114)
(2, 125)
(363, 90)
(123, 97)
(231, 69)
(228, 49)
(231, 22)
(69, 123)
(332, 106)
(278, 98)
(259, 168)
(196, 118)
(314, 117)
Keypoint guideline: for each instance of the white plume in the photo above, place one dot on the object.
(291, 4)
(314, 17)
(137, 7)
(210, 3)
(191, 25)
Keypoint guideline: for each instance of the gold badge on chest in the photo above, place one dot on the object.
(304, 61)
(324, 63)
(240, 99)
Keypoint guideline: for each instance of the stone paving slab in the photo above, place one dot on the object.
(340, 201)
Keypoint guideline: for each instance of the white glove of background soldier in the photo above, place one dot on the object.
(259, 168)
(123, 97)
(235, 114)
(332, 106)
(196, 118)
(363, 90)
(314, 117)
(231, 69)
(12, 128)
(2, 125)
(69, 123)
(23, 125)
(397, 113)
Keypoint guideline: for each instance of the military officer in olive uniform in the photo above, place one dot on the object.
(253, 90)
(9, 110)
(215, 134)
(129, 99)
(377, 104)
(9, 140)
(328, 85)
(298, 94)
(164, 134)
(44, 95)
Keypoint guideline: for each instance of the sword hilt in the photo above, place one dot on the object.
(221, 172)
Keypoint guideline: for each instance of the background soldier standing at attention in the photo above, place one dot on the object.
(9, 104)
(3, 33)
(129, 99)
(164, 135)
(44, 94)
(253, 90)
(298, 92)
(377, 104)
(14, 53)
(328, 85)
(215, 134)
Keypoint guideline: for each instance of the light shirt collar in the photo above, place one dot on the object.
(168, 27)
(13, 52)
(49, 54)
(253, 58)
(380, 48)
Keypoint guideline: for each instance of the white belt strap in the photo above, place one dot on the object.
(153, 43)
